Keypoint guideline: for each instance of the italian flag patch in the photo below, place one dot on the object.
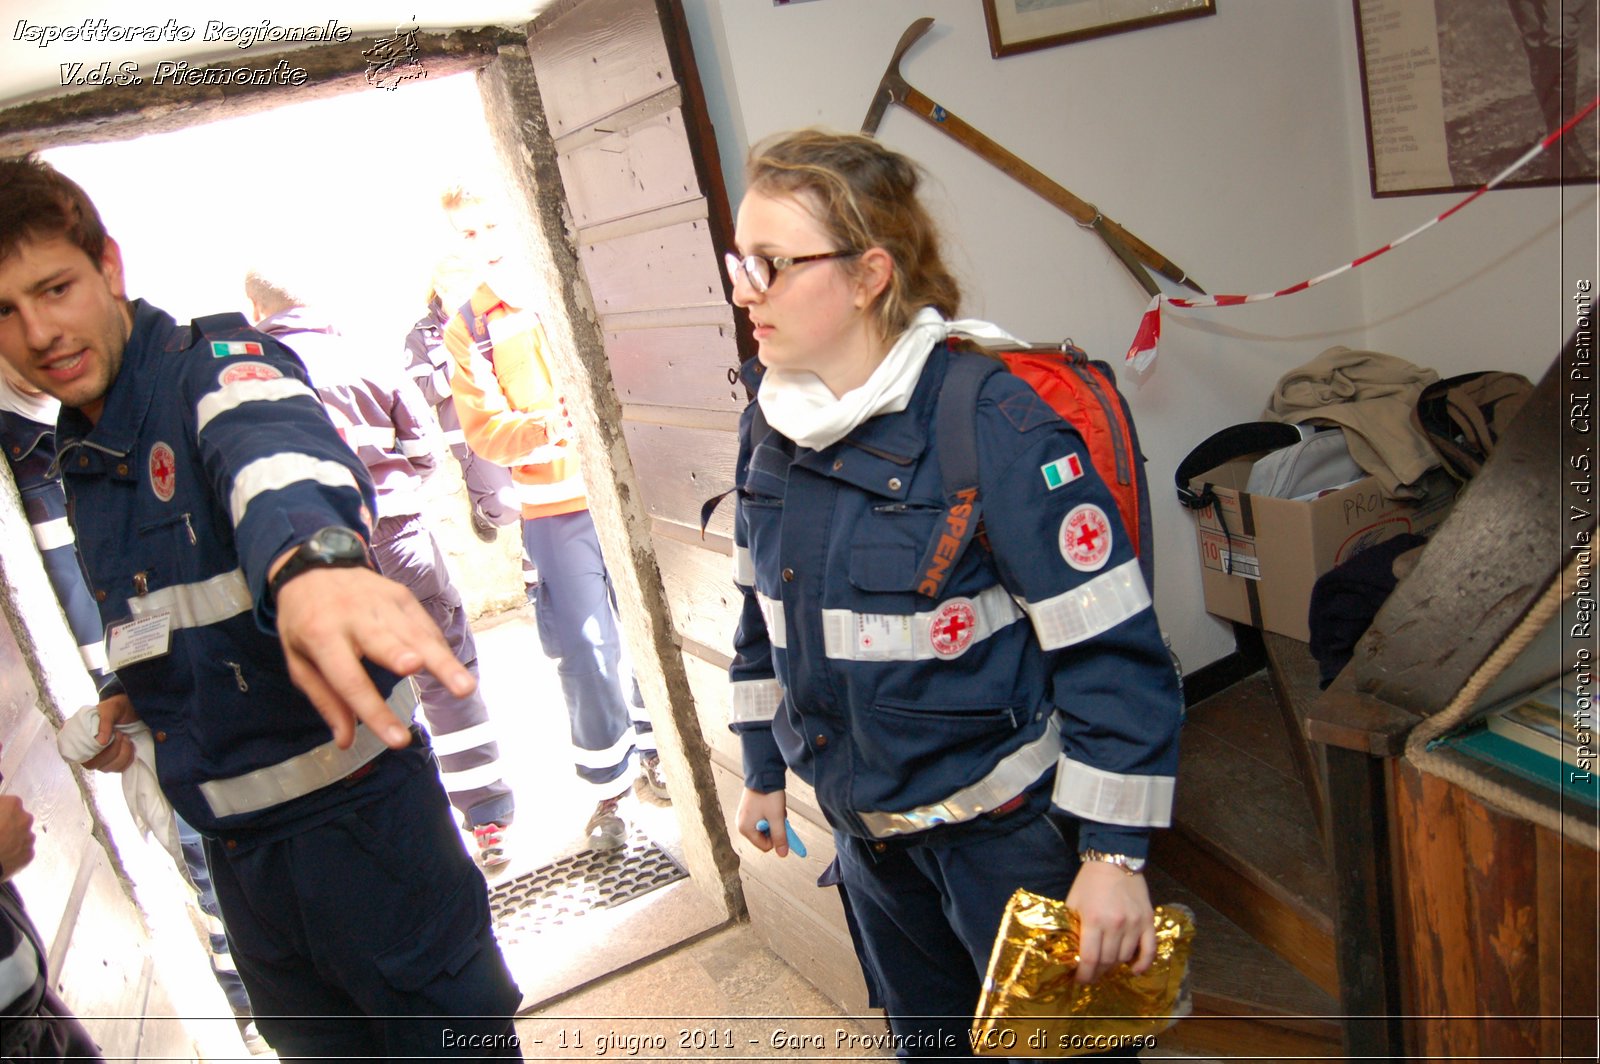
(229, 348)
(1062, 471)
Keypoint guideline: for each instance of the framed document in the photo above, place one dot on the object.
(1454, 93)
(1017, 26)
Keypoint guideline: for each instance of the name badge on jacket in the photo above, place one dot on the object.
(139, 640)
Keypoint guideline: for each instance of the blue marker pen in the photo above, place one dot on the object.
(794, 840)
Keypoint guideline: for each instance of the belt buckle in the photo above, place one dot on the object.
(361, 773)
(1007, 807)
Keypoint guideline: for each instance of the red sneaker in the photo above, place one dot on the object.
(491, 839)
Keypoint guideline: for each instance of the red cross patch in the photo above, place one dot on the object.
(1086, 538)
(954, 625)
(248, 371)
(163, 471)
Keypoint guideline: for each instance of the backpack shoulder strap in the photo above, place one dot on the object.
(955, 433)
(224, 324)
(955, 420)
(1130, 471)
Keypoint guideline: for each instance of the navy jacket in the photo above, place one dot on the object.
(31, 452)
(34, 1022)
(212, 456)
(375, 407)
(1042, 659)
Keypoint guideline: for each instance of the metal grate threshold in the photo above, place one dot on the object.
(567, 889)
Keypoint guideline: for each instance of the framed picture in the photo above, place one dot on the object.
(1017, 26)
(1455, 93)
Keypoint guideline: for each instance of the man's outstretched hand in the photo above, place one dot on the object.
(330, 619)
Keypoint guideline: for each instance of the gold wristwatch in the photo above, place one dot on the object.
(1131, 865)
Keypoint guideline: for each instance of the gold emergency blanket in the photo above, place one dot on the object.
(1032, 1008)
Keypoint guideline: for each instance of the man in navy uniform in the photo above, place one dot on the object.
(386, 421)
(223, 524)
(28, 434)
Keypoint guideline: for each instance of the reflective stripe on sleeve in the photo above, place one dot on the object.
(744, 567)
(1112, 798)
(232, 396)
(369, 436)
(754, 701)
(909, 636)
(1090, 608)
(455, 438)
(199, 604)
(280, 471)
(94, 656)
(52, 534)
(772, 613)
(550, 452)
(19, 972)
(414, 448)
(1014, 773)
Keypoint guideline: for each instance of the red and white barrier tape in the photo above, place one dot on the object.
(1142, 352)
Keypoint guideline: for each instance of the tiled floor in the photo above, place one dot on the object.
(658, 970)
(524, 698)
(722, 997)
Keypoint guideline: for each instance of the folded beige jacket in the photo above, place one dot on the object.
(1373, 396)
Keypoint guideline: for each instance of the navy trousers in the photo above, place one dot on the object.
(925, 915)
(576, 613)
(489, 487)
(463, 736)
(222, 966)
(369, 936)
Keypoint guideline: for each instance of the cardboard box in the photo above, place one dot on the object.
(1276, 548)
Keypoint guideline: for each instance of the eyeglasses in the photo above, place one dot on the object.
(760, 270)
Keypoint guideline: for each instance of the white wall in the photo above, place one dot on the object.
(1489, 289)
(1233, 144)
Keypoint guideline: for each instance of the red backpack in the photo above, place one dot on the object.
(1084, 392)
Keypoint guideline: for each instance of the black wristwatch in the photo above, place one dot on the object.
(334, 547)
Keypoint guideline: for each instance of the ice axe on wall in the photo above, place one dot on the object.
(1134, 253)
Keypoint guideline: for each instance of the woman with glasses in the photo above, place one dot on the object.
(980, 698)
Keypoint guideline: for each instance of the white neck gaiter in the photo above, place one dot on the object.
(40, 408)
(800, 406)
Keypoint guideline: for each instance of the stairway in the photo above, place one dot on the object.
(1455, 914)
(1245, 852)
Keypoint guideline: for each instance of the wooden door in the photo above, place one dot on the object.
(651, 220)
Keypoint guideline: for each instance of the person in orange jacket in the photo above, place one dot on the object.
(513, 414)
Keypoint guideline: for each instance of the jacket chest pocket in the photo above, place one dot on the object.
(888, 545)
(168, 551)
(763, 522)
(761, 495)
